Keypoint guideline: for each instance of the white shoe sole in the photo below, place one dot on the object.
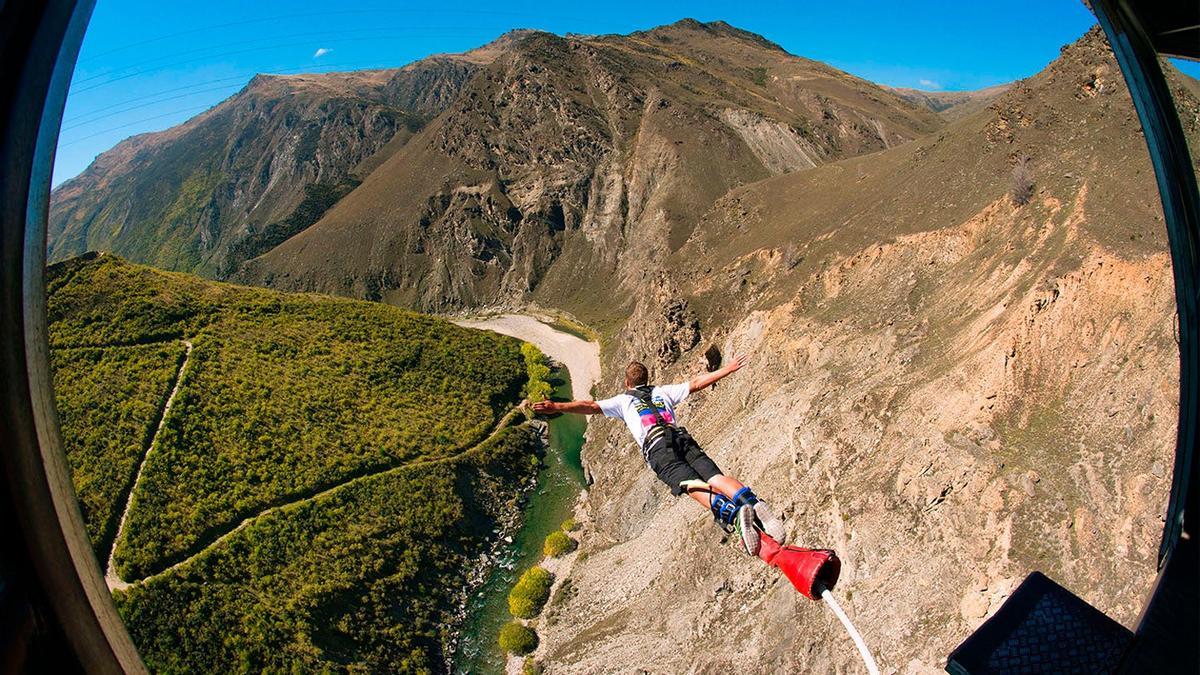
(746, 530)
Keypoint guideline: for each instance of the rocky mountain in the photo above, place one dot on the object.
(568, 160)
(949, 387)
(252, 171)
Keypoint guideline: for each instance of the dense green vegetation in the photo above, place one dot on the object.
(102, 301)
(516, 638)
(284, 395)
(529, 596)
(538, 387)
(359, 443)
(360, 578)
(558, 543)
(109, 401)
(292, 403)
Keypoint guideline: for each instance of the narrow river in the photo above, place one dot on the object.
(559, 484)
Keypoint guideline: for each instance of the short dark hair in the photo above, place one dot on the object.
(636, 374)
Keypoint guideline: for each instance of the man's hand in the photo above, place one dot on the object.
(737, 363)
(708, 379)
(545, 407)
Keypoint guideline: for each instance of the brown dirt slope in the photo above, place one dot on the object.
(948, 388)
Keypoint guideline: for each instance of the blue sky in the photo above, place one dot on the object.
(146, 66)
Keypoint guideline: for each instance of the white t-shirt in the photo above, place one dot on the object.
(625, 407)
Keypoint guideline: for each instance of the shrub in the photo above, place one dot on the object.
(518, 639)
(1022, 182)
(538, 387)
(109, 401)
(569, 525)
(531, 667)
(529, 596)
(397, 556)
(558, 543)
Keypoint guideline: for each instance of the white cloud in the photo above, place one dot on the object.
(321, 52)
(929, 84)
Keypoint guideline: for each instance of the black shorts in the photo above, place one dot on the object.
(683, 460)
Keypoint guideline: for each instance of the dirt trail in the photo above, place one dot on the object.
(110, 573)
(580, 357)
(249, 520)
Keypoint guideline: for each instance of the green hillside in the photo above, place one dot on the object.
(109, 401)
(320, 458)
(363, 579)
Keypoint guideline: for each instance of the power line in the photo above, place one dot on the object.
(75, 141)
(242, 51)
(294, 15)
(76, 123)
(258, 40)
(130, 124)
(211, 57)
(238, 81)
(241, 77)
(231, 24)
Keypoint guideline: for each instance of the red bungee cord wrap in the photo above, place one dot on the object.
(814, 572)
(806, 568)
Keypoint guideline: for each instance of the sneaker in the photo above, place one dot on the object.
(743, 523)
(771, 524)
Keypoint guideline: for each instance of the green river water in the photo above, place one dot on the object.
(553, 501)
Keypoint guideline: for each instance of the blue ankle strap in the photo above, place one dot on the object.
(745, 496)
(723, 509)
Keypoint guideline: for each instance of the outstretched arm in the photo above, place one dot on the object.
(701, 381)
(579, 407)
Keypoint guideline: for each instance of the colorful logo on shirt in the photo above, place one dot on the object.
(646, 413)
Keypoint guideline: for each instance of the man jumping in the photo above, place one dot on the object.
(675, 457)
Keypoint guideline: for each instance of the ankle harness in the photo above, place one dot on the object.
(745, 496)
(723, 509)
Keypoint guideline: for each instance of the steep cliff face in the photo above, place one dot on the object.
(950, 389)
(249, 173)
(571, 160)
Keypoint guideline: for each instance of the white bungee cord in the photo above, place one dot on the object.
(868, 660)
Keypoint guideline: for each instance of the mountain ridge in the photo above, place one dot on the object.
(248, 164)
(227, 220)
(953, 105)
(508, 136)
